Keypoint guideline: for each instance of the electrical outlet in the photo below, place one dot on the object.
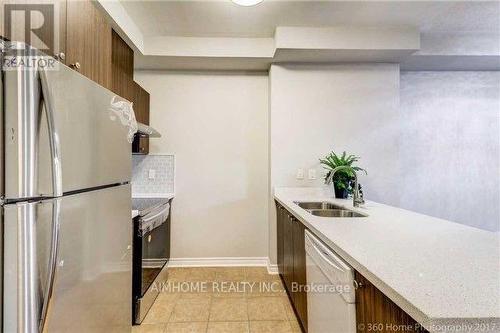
(152, 174)
(300, 173)
(312, 174)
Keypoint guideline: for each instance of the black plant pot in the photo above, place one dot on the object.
(340, 193)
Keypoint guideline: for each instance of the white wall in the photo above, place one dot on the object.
(437, 153)
(216, 124)
(316, 109)
(432, 147)
(450, 146)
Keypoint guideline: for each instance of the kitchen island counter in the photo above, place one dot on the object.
(443, 274)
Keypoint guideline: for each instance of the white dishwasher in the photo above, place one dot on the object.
(331, 296)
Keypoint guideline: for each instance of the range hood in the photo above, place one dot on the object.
(145, 130)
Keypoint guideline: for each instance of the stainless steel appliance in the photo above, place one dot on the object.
(65, 203)
(151, 252)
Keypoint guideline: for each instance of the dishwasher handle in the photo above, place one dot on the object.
(313, 247)
(335, 269)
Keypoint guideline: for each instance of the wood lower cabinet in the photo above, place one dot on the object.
(299, 271)
(292, 260)
(288, 251)
(375, 312)
(280, 212)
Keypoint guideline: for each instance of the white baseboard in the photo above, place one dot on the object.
(224, 262)
(272, 268)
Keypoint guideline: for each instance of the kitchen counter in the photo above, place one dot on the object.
(441, 273)
(135, 212)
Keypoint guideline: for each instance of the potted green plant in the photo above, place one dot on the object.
(342, 178)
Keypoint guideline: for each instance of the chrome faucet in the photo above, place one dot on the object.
(356, 198)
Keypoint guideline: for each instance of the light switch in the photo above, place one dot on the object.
(312, 174)
(300, 173)
(152, 174)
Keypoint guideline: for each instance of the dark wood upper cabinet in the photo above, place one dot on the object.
(77, 31)
(84, 40)
(123, 84)
(123, 56)
(141, 104)
(122, 63)
(88, 41)
(141, 108)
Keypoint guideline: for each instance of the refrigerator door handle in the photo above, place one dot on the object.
(54, 247)
(55, 147)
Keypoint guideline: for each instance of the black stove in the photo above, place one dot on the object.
(151, 251)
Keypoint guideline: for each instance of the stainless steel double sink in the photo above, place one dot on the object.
(327, 209)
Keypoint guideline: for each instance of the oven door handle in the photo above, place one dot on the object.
(162, 212)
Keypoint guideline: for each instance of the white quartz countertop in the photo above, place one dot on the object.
(444, 274)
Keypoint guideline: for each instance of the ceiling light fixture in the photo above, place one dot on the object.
(247, 3)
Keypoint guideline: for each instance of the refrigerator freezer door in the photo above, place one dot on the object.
(92, 284)
(84, 128)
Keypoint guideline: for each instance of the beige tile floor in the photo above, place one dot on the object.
(220, 300)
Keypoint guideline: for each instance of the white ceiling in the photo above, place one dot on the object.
(222, 18)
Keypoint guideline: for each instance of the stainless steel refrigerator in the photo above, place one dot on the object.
(66, 204)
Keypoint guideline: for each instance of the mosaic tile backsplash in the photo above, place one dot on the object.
(163, 182)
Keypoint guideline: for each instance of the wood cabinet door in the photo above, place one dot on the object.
(141, 104)
(299, 272)
(280, 213)
(123, 84)
(122, 71)
(375, 312)
(88, 42)
(288, 222)
(141, 108)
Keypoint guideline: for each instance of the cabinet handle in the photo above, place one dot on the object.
(76, 65)
(357, 285)
(60, 56)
